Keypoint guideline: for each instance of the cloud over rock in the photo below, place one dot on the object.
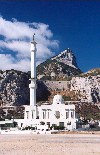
(15, 40)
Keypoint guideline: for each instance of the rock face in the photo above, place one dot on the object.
(59, 67)
(43, 92)
(87, 88)
(58, 74)
(14, 88)
(67, 57)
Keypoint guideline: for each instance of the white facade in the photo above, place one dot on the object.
(56, 113)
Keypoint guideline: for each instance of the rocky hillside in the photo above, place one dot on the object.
(92, 72)
(85, 89)
(67, 57)
(14, 88)
(59, 74)
(59, 67)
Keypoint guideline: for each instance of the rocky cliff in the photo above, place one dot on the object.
(85, 89)
(67, 57)
(14, 88)
(59, 74)
(59, 67)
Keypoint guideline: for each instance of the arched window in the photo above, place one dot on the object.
(57, 114)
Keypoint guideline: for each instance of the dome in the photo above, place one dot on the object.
(57, 99)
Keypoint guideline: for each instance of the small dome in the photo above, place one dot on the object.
(57, 99)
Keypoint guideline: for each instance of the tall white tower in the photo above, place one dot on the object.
(32, 85)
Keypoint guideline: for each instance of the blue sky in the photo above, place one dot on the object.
(73, 24)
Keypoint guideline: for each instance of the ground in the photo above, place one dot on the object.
(56, 144)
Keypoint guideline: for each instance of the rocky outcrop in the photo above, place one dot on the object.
(87, 88)
(92, 72)
(14, 88)
(59, 67)
(43, 92)
(67, 57)
(84, 89)
(58, 74)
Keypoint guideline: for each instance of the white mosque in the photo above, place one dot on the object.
(58, 113)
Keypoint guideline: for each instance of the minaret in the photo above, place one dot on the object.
(32, 85)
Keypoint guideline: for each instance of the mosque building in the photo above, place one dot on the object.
(58, 113)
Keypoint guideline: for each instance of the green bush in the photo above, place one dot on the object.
(29, 128)
(42, 123)
(67, 98)
(57, 127)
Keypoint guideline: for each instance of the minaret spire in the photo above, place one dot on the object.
(32, 85)
(33, 36)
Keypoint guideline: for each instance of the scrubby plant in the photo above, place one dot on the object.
(55, 127)
(42, 123)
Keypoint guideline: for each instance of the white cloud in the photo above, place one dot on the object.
(7, 62)
(16, 39)
(21, 47)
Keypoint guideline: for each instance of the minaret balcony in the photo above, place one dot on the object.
(33, 47)
(32, 85)
(33, 79)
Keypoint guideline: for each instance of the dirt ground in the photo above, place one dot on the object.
(56, 144)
